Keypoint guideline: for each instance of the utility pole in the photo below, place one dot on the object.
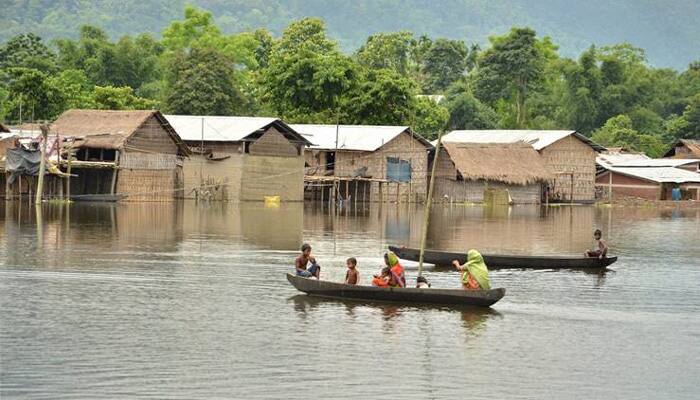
(40, 184)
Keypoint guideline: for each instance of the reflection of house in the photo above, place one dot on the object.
(568, 155)
(651, 179)
(241, 158)
(503, 172)
(380, 154)
(684, 148)
(135, 153)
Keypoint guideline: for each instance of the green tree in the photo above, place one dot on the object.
(307, 76)
(395, 50)
(384, 97)
(120, 98)
(203, 84)
(75, 89)
(29, 94)
(27, 50)
(467, 112)
(512, 69)
(429, 117)
(445, 63)
(618, 132)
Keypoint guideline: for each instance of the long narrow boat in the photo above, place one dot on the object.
(459, 297)
(444, 258)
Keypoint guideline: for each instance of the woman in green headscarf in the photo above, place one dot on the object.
(475, 274)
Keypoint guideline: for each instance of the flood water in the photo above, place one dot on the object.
(188, 301)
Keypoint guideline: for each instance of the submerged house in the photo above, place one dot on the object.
(133, 153)
(504, 173)
(684, 148)
(569, 156)
(241, 158)
(646, 178)
(366, 162)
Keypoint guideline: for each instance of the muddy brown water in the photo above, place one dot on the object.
(189, 301)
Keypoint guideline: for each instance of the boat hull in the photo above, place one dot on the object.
(455, 297)
(444, 258)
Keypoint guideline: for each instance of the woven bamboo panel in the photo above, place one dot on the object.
(147, 185)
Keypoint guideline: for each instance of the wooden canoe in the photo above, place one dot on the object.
(459, 297)
(444, 258)
(109, 198)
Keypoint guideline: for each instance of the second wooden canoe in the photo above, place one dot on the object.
(444, 258)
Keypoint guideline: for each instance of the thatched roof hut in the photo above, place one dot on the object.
(475, 172)
(112, 129)
(684, 148)
(511, 163)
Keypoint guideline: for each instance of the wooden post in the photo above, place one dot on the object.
(321, 188)
(347, 189)
(19, 184)
(381, 192)
(398, 191)
(572, 189)
(429, 200)
(610, 186)
(356, 182)
(68, 170)
(7, 187)
(364, 191)
(42, 165)
(114, 172)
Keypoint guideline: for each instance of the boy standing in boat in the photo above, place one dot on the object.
(601, 248)
(352, 277)
(301, 263)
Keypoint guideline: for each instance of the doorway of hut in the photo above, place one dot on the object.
(330, 163)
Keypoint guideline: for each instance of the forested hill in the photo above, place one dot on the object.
(667, 29)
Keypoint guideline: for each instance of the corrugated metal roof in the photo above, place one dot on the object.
(539, 139)
(608, 160)
(659, 174)
(657, 162)
(351, 137)
(217, 128)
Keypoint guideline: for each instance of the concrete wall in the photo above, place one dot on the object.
(572, 155)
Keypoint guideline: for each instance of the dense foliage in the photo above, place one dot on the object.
(519, 80)
(667, 29)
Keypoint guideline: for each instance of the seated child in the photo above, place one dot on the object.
(352, 276)
(421, 282)
(600, 247)
(303, 260)
(383, 279)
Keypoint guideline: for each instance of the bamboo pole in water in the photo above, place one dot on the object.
(42, 165)
(428, 202)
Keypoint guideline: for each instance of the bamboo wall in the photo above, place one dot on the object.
(572, 155)
(152, 137)
(149, 176)
(272, 166)
(219, 179)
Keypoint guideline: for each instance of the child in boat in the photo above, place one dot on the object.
(301, 263)
(383, 279)
(421, 282)
(398, 278)
(601, 248)
(352, 277)
(475, 274)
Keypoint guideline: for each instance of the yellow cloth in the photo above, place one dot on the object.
(477, 268)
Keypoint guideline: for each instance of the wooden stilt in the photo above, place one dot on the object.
(42, 165)
(355, 199)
